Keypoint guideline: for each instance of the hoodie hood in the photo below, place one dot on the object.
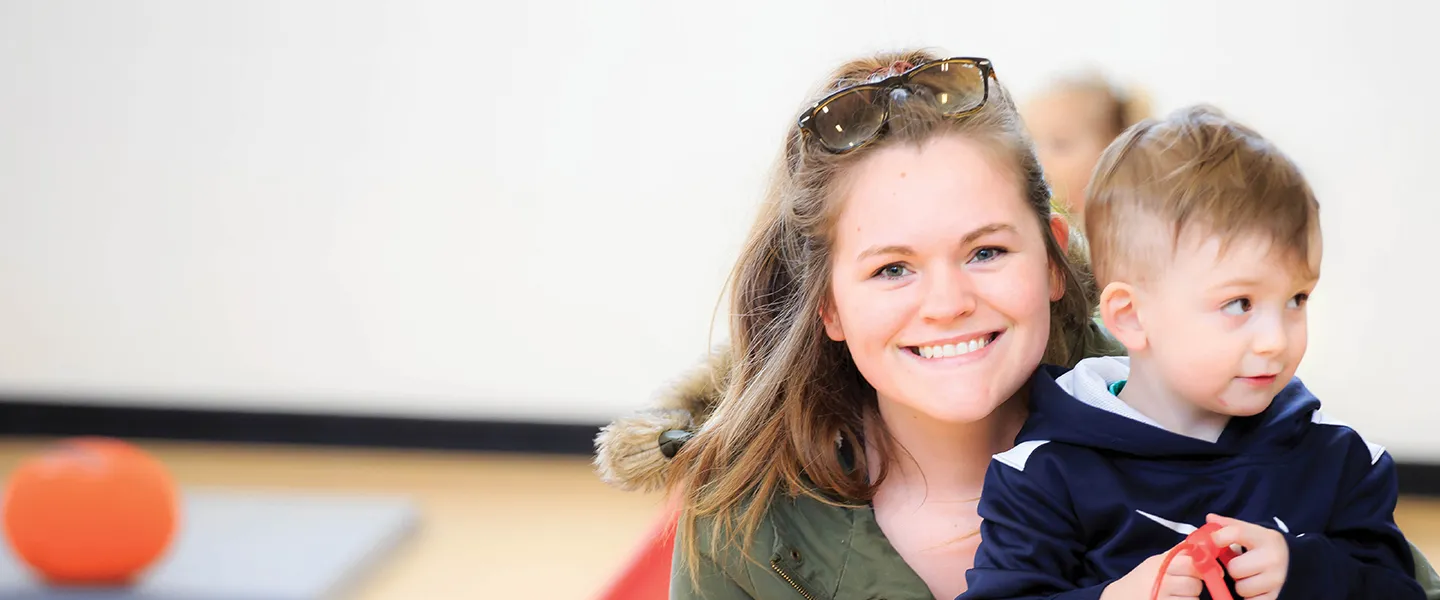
(1075, 406)
(634, 451)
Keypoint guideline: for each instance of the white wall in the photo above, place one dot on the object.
(526, 210)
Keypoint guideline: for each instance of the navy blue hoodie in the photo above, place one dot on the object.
(1093, 488)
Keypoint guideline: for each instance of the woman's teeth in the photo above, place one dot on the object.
(949, 350)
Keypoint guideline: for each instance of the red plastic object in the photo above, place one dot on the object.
(90, 511)
(1210, 561)
(646, 576)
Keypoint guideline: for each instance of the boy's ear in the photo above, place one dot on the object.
(1060, 227)
(1120, 312)
(833, 328)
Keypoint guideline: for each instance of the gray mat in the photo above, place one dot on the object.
(239, 545)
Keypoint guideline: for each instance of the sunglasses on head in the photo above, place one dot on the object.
(850, 118)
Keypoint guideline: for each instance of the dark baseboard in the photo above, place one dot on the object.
(50, 418)
(1418, 479)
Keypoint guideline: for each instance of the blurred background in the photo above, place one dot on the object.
(427, 248)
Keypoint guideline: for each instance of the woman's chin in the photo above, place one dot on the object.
(964, 414)
(975, 405)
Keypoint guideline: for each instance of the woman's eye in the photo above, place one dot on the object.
(987, 254)
(1236, 307)
(895, 271)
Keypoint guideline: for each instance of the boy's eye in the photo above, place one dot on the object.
(1236, 307)
(1298, 300)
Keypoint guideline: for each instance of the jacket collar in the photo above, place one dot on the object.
(836, 551)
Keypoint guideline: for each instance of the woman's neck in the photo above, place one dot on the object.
(926, 507)
(943, 461)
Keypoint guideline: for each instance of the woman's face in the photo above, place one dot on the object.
(942, 285)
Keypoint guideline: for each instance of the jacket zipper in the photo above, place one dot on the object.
(783, 575)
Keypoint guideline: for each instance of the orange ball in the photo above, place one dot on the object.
(91, 511)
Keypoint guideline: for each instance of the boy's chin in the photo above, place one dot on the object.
(1242, 407)
(1247, 411)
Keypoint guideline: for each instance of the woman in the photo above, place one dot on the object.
(903, 281)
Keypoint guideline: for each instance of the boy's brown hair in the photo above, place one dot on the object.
(1195, 168)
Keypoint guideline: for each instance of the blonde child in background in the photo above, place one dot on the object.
(1072, 120)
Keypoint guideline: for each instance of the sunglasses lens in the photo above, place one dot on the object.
(849, 119)
(956, 86)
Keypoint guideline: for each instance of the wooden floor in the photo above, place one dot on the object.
(494, 526)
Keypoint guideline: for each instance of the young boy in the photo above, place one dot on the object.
(1206, 243)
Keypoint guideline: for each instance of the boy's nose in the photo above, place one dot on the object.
(1270, 339)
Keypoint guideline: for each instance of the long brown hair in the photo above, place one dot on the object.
(792, 392)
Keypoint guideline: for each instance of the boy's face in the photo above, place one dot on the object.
(1226, 331)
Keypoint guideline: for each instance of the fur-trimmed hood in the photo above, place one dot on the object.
(634, 451)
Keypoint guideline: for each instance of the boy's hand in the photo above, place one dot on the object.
(1260, 572)
(1181, 582)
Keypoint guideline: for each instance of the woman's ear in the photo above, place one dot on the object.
(1060, 228)
(833, 328)
(1057, 282)
(1120, 311)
